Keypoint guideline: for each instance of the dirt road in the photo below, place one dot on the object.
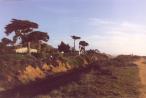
(142, 74)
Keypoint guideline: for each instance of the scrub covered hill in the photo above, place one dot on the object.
(103, 77)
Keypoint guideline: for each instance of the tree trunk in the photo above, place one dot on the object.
(84, 49)
(39, 46)
(74, 45)
(28, 48)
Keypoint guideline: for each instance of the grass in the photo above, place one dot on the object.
(111, 78)
(108, 80)
(95, 84)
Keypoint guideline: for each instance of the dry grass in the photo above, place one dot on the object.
(32, 73)
(60, 68)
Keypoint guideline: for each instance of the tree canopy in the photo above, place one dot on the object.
(75, 37)
(63, 47)
(20, 28)
(83, 43)
(37, 36)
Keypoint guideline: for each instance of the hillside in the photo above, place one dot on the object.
(101, 78)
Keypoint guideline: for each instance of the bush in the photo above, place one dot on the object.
(60, 68)
(31, 74)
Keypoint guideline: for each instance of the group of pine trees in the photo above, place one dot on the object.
(63, 47)
(25, 33)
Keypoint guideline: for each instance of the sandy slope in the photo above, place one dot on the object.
(142, 75)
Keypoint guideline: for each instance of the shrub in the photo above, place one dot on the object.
(31, 74)
(62, 67)
(46, 67)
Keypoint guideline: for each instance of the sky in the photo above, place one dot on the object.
(112, 26)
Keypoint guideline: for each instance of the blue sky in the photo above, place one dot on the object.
(112, 26)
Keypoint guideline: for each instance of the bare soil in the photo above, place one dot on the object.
(142, 74)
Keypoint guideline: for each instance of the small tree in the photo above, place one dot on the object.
(82, 45)
(6, 41)
(63, 47)
(36, 37)
(4, 46)
(75, 38)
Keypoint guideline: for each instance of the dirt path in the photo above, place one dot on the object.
(142, 75)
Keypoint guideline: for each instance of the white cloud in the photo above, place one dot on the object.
(118, 37)
(97, 22)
